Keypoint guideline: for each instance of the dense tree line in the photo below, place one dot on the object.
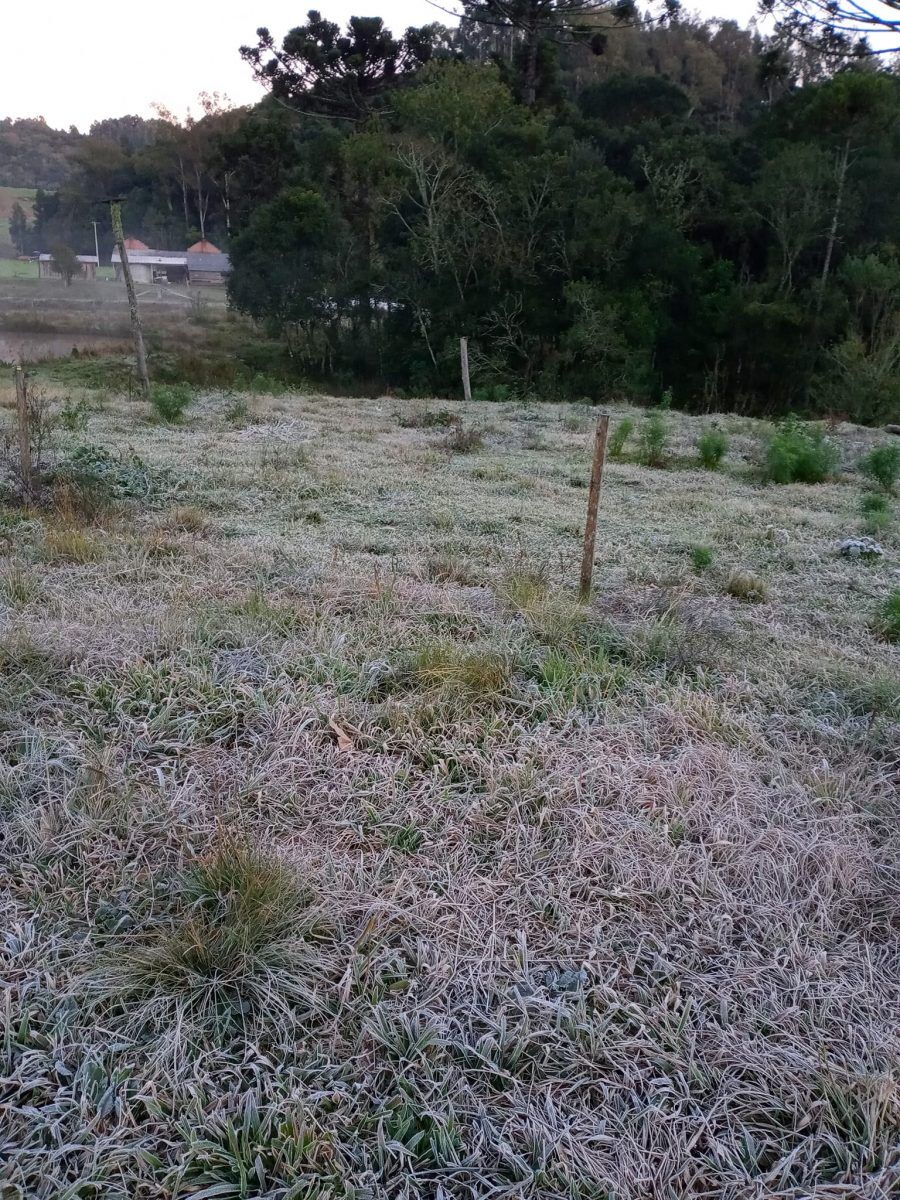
(604, 202)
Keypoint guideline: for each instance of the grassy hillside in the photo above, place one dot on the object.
(346, 854)
(8, 197)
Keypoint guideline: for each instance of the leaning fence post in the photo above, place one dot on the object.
(24, 429)
(590, 527)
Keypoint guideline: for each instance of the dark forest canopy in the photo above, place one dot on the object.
(605, 203)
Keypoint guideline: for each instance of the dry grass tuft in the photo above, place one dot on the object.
(747, 585)
(187, 518)
(68, 545)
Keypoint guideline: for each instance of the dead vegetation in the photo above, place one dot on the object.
(357, 858)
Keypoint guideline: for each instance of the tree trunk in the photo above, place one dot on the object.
(843, 164)
(529, 81)
(184, 199)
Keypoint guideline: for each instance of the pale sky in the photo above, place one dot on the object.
(74, 63)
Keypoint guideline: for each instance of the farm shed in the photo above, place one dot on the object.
(153, 266)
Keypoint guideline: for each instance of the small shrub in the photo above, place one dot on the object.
(94, 467)
(619, 436)
(746, 585)
(654, 439)
(170, 401)
(887, 623)
(798, 453)
(712, 446)
(701, 558)
(882, 466)
(73, 416)
(238, 412)
(463, 439)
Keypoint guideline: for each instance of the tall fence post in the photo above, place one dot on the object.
(590, 527)
(464, 364)
(23, 422)
(115, 212)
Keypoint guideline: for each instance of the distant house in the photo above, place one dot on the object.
(206, 263)
(89, 264)
(202, 263)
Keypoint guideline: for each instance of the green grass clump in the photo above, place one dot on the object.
(701, 558)
(875, 510)
(654, 439)
(619, 436)
(170, 401)
(712, 446)
(473, 672)
(888, 620)
(882, 466)
(798, 453)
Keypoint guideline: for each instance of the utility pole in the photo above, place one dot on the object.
(96, 244)
(115, 212)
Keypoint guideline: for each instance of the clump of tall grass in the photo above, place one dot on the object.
(551, 616)
(237, 943)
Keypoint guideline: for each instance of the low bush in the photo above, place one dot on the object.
(170, 401)
(882, 466)
(712, 446)
(701, 558)
(798, 453)
(619, 436)
(654, 439)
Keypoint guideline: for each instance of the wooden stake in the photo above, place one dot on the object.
(464, 363)
(590, 528)
(115, 212)
(24, 427)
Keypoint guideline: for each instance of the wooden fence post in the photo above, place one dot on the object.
(590, 527)
(115, 211)
(464, 363)
(24, 429)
